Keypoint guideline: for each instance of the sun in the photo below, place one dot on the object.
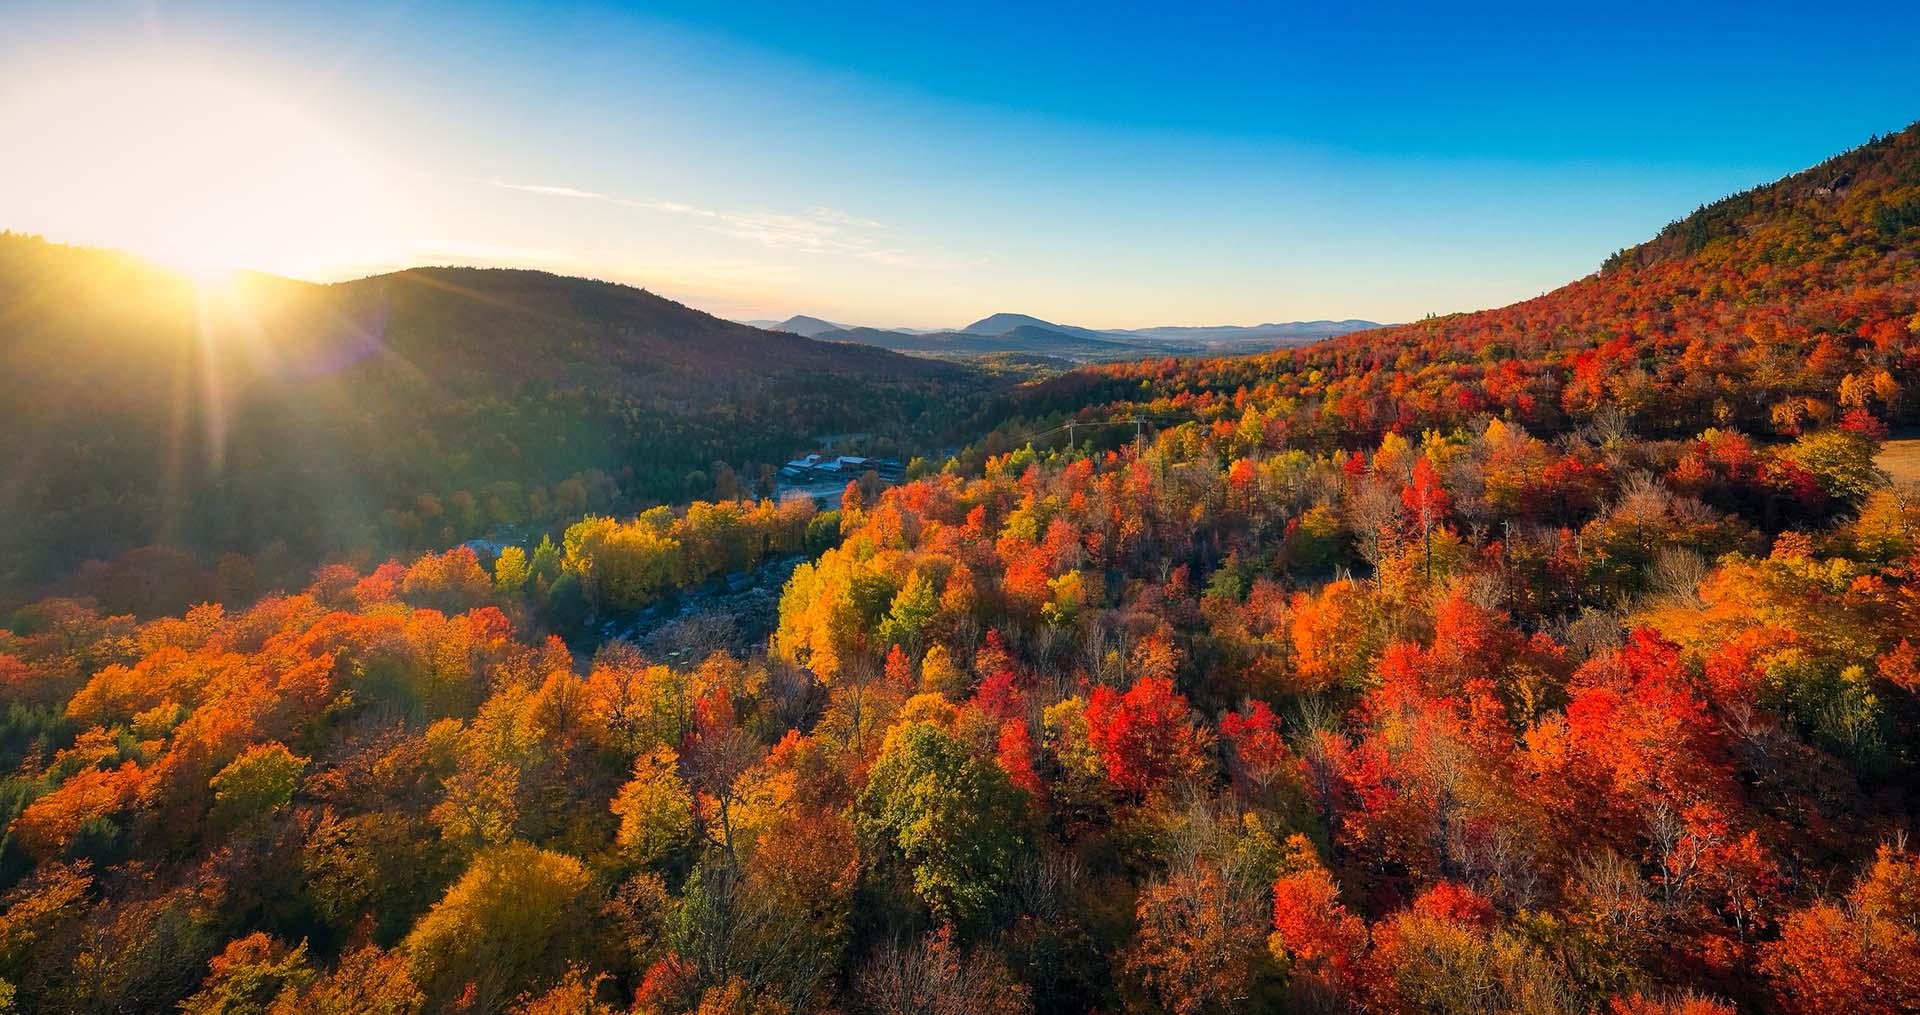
(203, 170)
(211, 273)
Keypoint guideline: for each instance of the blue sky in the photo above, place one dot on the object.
(894, 164)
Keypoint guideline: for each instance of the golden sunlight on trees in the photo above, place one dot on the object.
(514, 917)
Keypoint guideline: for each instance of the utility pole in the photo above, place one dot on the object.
(1139, 437)
(1069, 436)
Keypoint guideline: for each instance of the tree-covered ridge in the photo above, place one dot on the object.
(1804, 305)
(401, 412)
(1869, 193)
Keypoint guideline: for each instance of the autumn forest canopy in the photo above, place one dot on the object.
(1558, 658)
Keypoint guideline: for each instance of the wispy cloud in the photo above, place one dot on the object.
(825, 214)
(923, 260)
(816, 230)
(536, 188)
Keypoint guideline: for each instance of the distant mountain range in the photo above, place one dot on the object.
(1022, 333)
(1028, 338)
(802, 325)
(1288, 332)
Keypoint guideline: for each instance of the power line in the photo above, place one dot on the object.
(1137, 422)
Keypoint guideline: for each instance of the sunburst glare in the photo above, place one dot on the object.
(201, 169)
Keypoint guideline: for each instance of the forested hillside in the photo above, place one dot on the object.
(407, 410)
(1553, 659)
(1774, 311)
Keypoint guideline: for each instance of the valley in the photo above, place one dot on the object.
(495, 640)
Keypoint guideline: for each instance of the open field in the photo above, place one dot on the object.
(1901, 459)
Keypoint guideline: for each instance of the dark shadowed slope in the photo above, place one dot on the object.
(405, 409)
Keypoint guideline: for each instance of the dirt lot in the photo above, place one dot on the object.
(713, 617)
(1901, 459)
